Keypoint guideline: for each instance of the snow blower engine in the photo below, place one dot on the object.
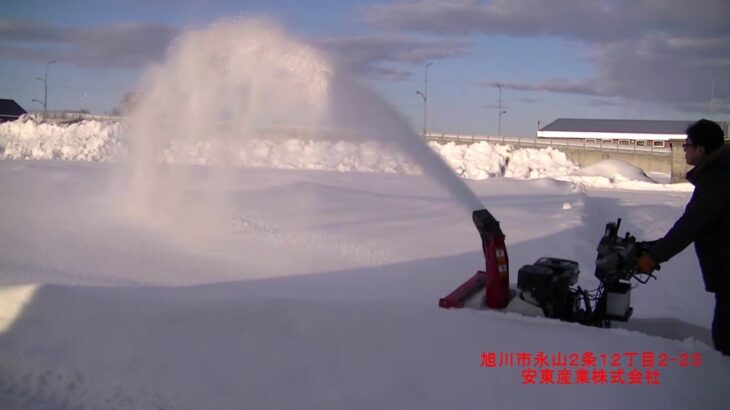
(549, 282)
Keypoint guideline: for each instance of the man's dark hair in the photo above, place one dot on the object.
(707, 134)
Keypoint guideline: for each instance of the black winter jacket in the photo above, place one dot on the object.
(706, 222)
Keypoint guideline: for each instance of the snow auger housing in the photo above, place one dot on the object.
(495, 277)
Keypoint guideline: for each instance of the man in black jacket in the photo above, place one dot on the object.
(706, 222)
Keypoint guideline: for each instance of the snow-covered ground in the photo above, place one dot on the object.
(317, 286)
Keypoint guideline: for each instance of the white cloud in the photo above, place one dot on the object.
(376, 55)
(666, 51)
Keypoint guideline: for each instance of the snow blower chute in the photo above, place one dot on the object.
(495, 277)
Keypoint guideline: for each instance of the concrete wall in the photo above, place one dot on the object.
(679, 164)
(671, 162)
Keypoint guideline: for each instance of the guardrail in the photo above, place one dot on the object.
(73, 115)
(545, 142)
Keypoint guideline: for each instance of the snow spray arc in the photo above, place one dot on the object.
(215, 89)
(233, 81)
(353, 105)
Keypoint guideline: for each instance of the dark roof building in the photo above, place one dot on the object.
(636, 130)
(10, 110)
(618, 126)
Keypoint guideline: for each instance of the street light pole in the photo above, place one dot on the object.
(424, 111)
(501, 111)
(424, 95)
(45, 89)
(499, 131)
(425, 100)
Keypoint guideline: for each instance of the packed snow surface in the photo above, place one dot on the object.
(318, 288)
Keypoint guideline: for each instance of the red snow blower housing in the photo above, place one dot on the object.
(495, 278)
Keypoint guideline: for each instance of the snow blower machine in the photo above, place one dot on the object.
(547, 287)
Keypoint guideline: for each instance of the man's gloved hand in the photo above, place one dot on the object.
(646, 264)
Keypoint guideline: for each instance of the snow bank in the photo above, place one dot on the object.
(483, 160)
(342, 156)
(28, 138)
(99, 141)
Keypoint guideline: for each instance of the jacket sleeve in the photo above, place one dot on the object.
(704, 208)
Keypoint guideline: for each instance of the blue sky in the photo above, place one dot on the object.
(640, 59)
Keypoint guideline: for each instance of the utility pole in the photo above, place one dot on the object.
(424, 95)
(45, 90)
(501, 111)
